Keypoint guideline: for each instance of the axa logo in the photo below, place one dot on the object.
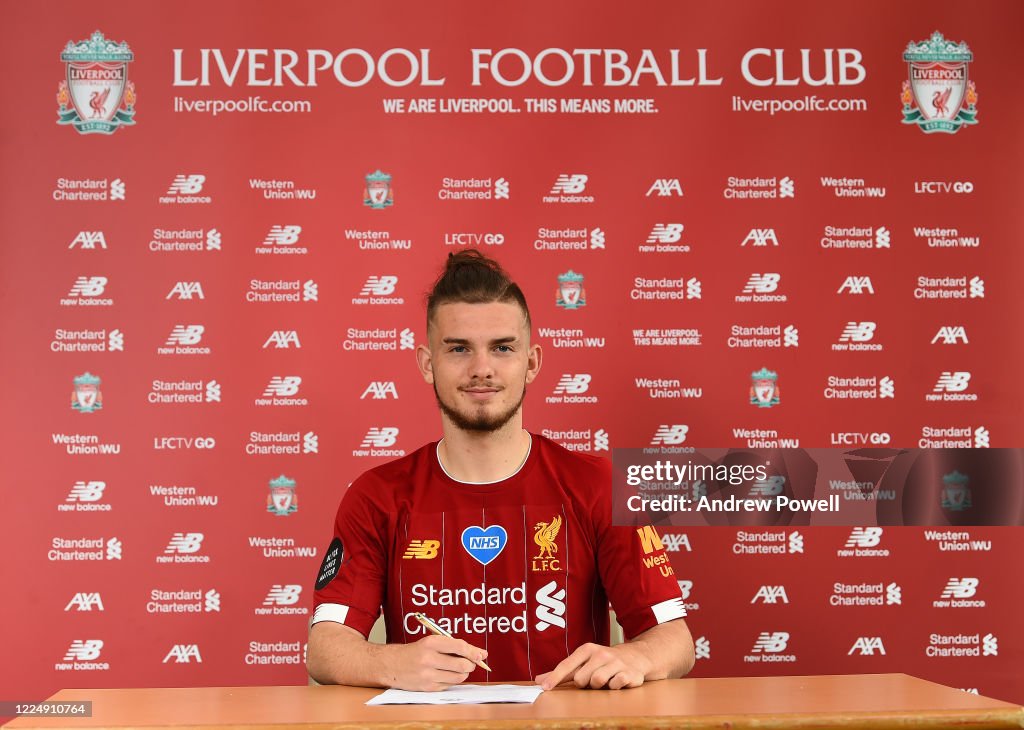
(771, 643)
(88, 286)
(282, 386)
(186, 290)
(283, 595)
(380, 437)
(761, 237)
(378, 286)
(186, 185)
(550, 607)
(960, 588)
(283, 340)
(858, 332)
(867, 646)
(89, 240)
(86, 492)
(771, 594)
(950, 335)
(183, 654)
(184, 543)
(675, 543)
(670, 435)
(85, 602)
(665, 187)
(421, 550)
(665, 233)
(569, 184)
(282, 236)
(857, 285)
(952, 382)
(84, 650)
(762, 283)
(185, 334)
(864, 537)
(573, 384)
(380, 390)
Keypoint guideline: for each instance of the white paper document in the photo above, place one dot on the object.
(462, 694)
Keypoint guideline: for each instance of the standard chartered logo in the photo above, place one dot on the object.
(310, 291)
(213, 392)
(113, 549)
(977, 288)
(990, 645)
(501, 189)
(981, 438)
(600, 440)
(211, 600)
(702, 648)
(787, 188)
(791, 337)
(407, 340)
(550, 607)
(310, 443)
(893, 595)
(213, 240)
(462, 612)
(597, 238)
(115, 341)
(117, 189)
(883, 238)
(693, 289)
(796, 542)
(886, 388)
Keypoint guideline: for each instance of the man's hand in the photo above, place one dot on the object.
(432, 664)
(597, 666)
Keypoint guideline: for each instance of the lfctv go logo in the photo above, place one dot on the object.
(184, 442)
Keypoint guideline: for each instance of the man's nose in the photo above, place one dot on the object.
(481, 365)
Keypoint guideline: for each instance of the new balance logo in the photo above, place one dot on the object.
(960, 588)
(421, 550)
(762, 283)
(184, 543)
(380, 390)
(182, 334)
(282, 386)
(670, 435)
(952, 382)
(665, 233)
(864, 537)
(569, 185)
(183, 654)
(186, 290)
(665, 187)
(771, 643)
(573, 384)
(380, 437)
(867, 646)
(88, 286)
(950, 335)
(84, 651)
(282, 236)
(86, 492)
(283, 595)
(187, 185)
(379, 286)
(761, 237)
(89, 240)
(85, 602)
(857, 285)
(283, 339)
(858, 332)
(771, 594)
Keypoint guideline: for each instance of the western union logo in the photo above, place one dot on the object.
(422, 549)
(649, 539)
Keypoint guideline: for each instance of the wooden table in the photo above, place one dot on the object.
(851, 701)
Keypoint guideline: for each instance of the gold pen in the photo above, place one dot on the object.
(435, 629)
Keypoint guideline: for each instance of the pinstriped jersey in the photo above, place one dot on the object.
(523, 567)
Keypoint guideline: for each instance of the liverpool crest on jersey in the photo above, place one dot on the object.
(96, 95)
(938, 96)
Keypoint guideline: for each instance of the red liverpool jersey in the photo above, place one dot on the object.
(523, 567)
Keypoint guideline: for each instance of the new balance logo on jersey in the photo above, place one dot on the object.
(864, 537)
(550, 607)
(762, 283)
(86, 492)
(380, 390)
(89, 240)
(380, 437)
(88, 286)
(950, 335)
(952, 382)
(665, 233)
(771, 643)
(186, 290)
(379, 286)
(184, 543)
(182, 334)
(85, 602)
(761, 237)
(867, 646)
(186, 185)
(421, 550)
(670, 435)
(858, 332)
(771, 594)
(283, 595)
(857, 285)
(569, 185)
(283, 339)
(84, 651)
(665, 187)
(282, 236)
(573, 384)
(960, 588)
(282, 386)
(183, 654)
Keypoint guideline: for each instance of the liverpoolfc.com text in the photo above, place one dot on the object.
(806, 104)
(251, 104)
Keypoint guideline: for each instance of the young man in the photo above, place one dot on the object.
(500, 536)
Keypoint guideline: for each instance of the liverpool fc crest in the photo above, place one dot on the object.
(938, 97)
(96, 95)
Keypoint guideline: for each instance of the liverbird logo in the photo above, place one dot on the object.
(545, 534)
(938, 95)
(96, 96)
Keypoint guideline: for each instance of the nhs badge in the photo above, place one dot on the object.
(484, 545)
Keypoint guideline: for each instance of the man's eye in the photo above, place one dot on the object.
(458, 348)
(503, 348)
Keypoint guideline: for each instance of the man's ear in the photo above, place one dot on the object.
(425, 363)
(534, 357)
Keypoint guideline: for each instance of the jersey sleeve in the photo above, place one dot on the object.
(635, 570)
(352, 577)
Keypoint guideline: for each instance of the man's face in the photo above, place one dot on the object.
(479, 361)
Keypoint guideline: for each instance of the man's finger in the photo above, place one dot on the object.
(566, 668)
(452, 663)
(449, 645)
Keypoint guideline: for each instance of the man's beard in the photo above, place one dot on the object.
(481, 423)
